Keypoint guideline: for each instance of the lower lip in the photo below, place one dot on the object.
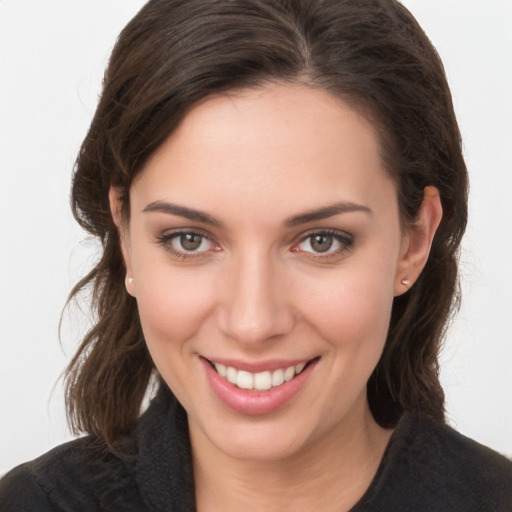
(255, 402)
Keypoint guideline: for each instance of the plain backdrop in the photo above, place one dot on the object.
(52, 57)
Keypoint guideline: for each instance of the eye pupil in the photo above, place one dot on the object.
(321, 243)
(190, 241)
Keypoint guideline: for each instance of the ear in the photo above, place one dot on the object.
(417, 241)
(114, 197)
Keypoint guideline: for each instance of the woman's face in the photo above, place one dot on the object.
(265, 248)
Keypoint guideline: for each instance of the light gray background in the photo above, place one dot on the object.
(52, 57)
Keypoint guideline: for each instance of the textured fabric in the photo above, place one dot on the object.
(427, 467)
(154, 473)
(430, 467)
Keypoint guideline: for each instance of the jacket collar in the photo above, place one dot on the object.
(164, 464)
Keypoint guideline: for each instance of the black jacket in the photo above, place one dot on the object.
(427, 467)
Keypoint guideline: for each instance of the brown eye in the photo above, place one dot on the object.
(187, 244)
(325, 243)
(190, 241)
(321, 242)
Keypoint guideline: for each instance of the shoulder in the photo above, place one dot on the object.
(33, 484)
(151, 469)
(460, 460)
(430, 466)
(78, 475)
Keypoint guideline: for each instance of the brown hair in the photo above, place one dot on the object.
(370, 53)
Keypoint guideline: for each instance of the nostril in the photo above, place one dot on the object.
(254, 307)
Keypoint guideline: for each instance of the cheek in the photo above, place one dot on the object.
(352, 308)
(354, 315)
(172, 307)
(172, 304)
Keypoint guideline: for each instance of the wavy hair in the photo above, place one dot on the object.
(370, 53)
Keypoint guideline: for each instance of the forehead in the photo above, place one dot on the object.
(286, 143)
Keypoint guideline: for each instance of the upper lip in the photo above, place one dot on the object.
(258, 366)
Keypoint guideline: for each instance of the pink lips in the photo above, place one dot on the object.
(253, 402)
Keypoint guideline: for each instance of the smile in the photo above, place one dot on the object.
(261, 381)
(267, 388)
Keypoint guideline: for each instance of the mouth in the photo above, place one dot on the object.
(267, 388)
(260, 381)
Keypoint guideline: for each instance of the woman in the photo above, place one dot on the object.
(280, 192)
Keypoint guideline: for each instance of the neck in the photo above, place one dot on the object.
(330, 474)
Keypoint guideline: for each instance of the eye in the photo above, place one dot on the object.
(187, 244)
(319, 243)
(190, 242)
(324, 243)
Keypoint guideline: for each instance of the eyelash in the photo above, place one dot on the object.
(346, 242)
(166, 242)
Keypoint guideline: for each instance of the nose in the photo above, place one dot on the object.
(255, 305)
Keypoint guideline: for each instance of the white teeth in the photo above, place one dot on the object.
(261, 381)
(221, 369)
(231, 374)
(299, 368)
(277, 377)
(289, 373)
(244, 380)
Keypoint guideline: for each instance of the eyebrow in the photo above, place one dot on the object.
(182, 211)
(296, 220)
(325, 213)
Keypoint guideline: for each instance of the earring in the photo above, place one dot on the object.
(406, 282)
(128, 284)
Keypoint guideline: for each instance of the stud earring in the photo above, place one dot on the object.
(128, 284)
(406, 282)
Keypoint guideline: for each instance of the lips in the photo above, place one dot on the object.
(265, 389)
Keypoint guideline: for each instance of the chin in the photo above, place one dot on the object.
(261, 446)
(252, 439)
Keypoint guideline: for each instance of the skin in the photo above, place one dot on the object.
(257, 289)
